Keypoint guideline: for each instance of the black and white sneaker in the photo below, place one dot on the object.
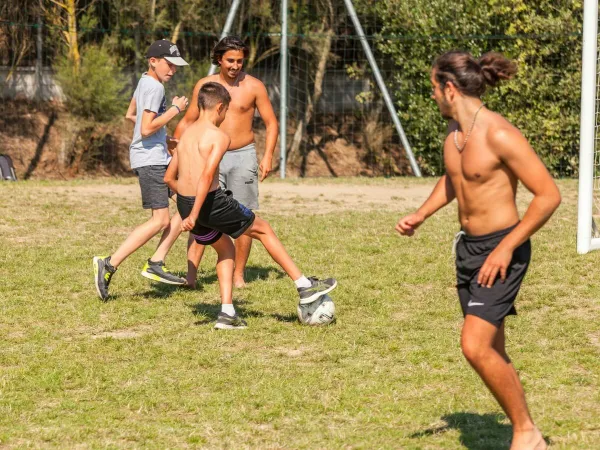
(157, 271)
(103, 272)
(316, 289)
(227, 322)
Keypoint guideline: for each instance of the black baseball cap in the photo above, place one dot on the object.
(166, 49)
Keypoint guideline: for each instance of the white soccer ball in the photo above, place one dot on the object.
(319, 312)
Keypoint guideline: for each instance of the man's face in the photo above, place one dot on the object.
(163, 68)
(222, 109)
(232, 62)
(439, 95)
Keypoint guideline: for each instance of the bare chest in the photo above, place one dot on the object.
(475, 164)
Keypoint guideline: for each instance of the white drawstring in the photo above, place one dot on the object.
(457, 237)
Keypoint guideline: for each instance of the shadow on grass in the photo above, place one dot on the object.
(209, 311)
(477, 431)
(251, 274)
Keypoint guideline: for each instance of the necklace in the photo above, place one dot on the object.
(461, 148)
(228, 87)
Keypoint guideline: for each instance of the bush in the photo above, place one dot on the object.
(542, 37)
(96, 92)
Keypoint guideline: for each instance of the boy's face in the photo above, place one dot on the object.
(232, 62)
(164, 69)
(222, 110)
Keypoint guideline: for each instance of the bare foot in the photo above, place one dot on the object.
(189, 284)
(239, 283)
(528, 440)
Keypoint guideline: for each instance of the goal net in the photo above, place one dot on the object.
(588, 215)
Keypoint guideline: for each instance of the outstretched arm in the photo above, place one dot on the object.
(265, 109)
(219, 148)
(442, 194)
(515, 152)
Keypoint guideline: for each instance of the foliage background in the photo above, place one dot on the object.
(544, 37)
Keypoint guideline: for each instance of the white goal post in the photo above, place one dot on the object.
(588, 237)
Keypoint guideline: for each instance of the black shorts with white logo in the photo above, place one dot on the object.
(220, 212)
(495, 303)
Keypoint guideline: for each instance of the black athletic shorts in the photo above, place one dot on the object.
(495, 303)
(220, 212)
(155, 192)
(203, 235)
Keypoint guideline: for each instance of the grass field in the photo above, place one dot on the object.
(147, 370)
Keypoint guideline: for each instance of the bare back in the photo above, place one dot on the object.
(193, 151)
(484, 185)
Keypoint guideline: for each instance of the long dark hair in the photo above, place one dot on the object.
(472, 76)
(228, 43)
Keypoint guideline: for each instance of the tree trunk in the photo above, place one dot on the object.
(74, 56)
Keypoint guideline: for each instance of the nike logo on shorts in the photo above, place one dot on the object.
(472, 303)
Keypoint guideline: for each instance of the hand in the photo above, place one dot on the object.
(496, 262)
(180, 102)
(265, 167)
(172, 144)
(188, 223)
(407, 225)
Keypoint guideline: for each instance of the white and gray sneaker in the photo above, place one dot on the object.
(317, 288)
(227, 322)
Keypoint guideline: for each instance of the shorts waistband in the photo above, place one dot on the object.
(192, 198)
(493, 235)
(246, 148)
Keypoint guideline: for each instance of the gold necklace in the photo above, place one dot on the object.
(461, 148)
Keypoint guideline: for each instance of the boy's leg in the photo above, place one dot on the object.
(168, 238)
(308, 289)
(483, 346)
(228, 319)
(155, 269)
(194, 256)
(243, 245)
(104, 268)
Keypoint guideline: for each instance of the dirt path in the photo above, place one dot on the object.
(290, 198)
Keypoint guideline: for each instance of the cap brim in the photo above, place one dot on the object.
(176, 60)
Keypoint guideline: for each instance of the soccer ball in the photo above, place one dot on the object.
(319, 312)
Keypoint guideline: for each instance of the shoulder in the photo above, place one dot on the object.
(501, 132)
(202, 81)
(251, 82)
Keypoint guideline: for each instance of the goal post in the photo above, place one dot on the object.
(589, 156)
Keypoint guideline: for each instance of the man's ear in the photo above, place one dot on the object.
(450, 91)
(220, 107)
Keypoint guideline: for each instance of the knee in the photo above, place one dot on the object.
(473, 351)
(162, 222)
(261, 227)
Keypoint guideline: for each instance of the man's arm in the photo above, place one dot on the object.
(170, 177)
(265, 109)
(515, 152)
(192, 113)
(151, 123)
(211, 166)
(131, 113)
(442, 194)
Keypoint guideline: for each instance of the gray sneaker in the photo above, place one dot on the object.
(157, 271)
(103, 272)
(316, 289)
(227, 322)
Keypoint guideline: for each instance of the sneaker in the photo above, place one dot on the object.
(316, 289)
(157, 271)
(227, 322)
(103, 272)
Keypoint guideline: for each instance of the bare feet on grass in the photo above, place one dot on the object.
(528, 440)
(239, 283)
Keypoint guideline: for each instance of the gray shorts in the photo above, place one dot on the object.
(238, 173)
(155, 192)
